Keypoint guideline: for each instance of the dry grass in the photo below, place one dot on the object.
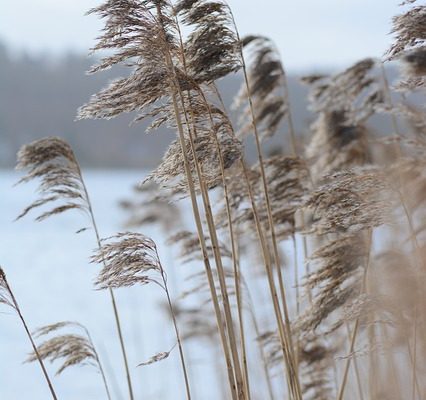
(351, 323)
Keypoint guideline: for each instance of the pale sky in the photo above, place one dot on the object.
(309, 33)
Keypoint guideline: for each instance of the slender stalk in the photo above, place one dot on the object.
(348, 361)
(295, 153)
(286, 98)
(292, 134)
(387, 90)
(175, 89)
(113, 302)
(295, 379)
(103, 378)
(221, 274)
(21, 317)
(356, 369)
(98, 360)
(269, 211)
(235, 258)
(182, 358)
(116, 390)
(413, 380)
(356, 325)
(263, 176)
(261, 350)
(296, 274)
(296, 285)
(391, 363)
(241, 387)
(204, 249)
(285, 347)
(123, 348)
(411, 359)
(267, 262)
(237, 278)
(234, 251)
(373, 375)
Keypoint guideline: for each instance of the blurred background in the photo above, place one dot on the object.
(44, 46)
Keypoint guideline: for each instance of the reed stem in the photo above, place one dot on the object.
(98, 360)
(242, 381)
(182, 357)
(266, 259)
(113, 301)
(21, 317)
(294, 379)
(175, 89)
(356, 325)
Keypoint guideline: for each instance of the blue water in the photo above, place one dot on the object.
(48, 267)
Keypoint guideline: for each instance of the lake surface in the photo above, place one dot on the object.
(48, 267)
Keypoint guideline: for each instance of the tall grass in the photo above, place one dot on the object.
(354, 201)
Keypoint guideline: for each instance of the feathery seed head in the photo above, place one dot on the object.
(409, 29)
(127, 259)
(53, 162)
(73, 349)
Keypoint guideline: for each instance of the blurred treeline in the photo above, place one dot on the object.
(39, 96)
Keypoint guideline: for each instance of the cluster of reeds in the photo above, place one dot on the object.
(345, 209)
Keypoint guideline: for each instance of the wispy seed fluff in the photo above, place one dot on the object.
(72, 348)
(52, 161)
(351, 201)
(127, 259)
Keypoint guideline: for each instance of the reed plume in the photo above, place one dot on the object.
(72, 348)
(287, 181)
(156, 358)
(53, 162)
(8, 298)
(409, 30)
(415, 62)
(151, 205)
(266, 77)
(340, 280)
(336, 143)
(189, 246)
(210, 48)
(170, 173)
(129, 259)
(351, 201)
(341, 91)
(337, 277)
(316, 363)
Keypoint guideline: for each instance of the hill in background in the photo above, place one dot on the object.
(39, 97)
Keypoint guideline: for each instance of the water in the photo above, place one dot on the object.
(48, 267)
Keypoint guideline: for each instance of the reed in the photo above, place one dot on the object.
(356, 197)
(8, 298)
(53, 162)
(74, 348)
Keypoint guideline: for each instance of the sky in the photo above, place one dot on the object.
(311, 34)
